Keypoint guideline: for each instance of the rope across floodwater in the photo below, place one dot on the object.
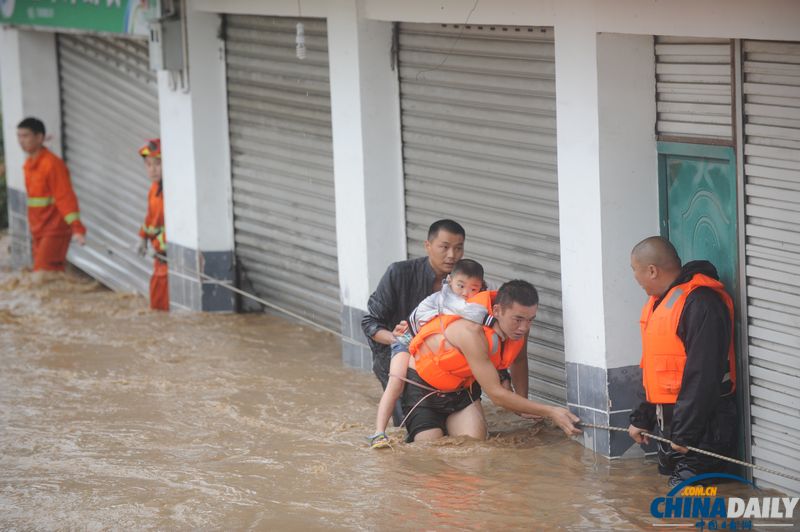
(694, 449)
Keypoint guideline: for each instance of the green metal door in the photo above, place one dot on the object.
(698, 204)
(697, 195)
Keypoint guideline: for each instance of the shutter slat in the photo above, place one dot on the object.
(693, 87)
(771, 91)
(479, 146)
(282, 164)
(109, 106)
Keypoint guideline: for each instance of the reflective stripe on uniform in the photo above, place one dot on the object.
(152, 230)
(71, 217)
(41, 201)
(161, 241)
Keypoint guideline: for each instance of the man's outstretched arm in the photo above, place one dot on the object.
(469, 339)
(519, 371)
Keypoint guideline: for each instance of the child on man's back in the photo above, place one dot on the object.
(464, 281)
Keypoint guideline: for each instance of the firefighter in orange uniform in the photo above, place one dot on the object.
(53, 214)
(152, 229)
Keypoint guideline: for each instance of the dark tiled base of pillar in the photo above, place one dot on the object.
(355, 356)
(604, 397)
(18, 229)
(191, 294)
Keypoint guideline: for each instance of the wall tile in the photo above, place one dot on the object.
(593, 389)
(625, 387)
(620, 441)
(573, 384)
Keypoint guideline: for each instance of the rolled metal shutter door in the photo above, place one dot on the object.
(479, 146)
(109, 106)
(772, 191)
(282, 164)
(693, 88)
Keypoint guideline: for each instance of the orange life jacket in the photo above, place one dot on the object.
(446, 368)
(663, 352)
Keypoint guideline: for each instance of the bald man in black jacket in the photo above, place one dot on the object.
(704, 413)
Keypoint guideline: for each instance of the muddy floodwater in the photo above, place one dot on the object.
(116, 417)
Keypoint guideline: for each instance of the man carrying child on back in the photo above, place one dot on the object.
(404, 285)
(452, 359)
(464, 281)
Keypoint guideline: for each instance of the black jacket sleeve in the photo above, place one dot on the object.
(381, 305)
(644, 417)
(705, 330)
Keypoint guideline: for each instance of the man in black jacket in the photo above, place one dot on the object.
(404, 285)
(688, 367)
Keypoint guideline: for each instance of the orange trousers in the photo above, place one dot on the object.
(159, 287)
(50, 252)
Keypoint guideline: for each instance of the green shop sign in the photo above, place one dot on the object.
(107, 16)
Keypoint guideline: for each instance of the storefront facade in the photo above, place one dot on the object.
(560, 133)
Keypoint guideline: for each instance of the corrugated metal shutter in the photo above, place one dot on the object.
(772, 189)
(479, 145)
(693, 88)
(282, 163)
(109, 106)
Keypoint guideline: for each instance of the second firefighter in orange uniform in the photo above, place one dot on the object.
(53, 214)
(152, 229)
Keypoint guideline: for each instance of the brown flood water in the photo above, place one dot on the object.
(115, 417)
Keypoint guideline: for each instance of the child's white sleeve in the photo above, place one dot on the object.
(454, 304)
(428, 309)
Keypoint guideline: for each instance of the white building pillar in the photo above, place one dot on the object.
(370, 215)
(629, 205)
(196, 166)
(580, 217)
(29, 84)
(608, 201)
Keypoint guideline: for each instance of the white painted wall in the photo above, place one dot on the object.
(344, 54)
(365, 114)
(735, 19)
(383, 164)
(194, 133)
(178, 163)
(13, 106)
(579, 187)
(517, 12)
(744, 19)
(279, 8)
(628, 181)
(29, 84)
